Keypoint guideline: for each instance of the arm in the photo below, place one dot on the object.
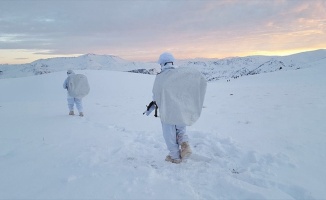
(65, 86)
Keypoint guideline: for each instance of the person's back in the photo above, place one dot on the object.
(72, 97)
(179, 93)
(78, 86)
(170, 94)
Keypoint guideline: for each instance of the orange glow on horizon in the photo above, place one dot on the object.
(24, 57)
(257, 53)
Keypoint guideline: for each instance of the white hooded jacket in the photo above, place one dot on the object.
(65, 83)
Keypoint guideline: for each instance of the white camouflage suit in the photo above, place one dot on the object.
(71, 100)
(174, 135)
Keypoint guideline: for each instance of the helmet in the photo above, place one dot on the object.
(69, 72)
(165, 58)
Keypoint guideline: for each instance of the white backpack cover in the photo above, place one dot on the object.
(179, 94)
(78, 86)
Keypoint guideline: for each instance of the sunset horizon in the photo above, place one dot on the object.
(142, 30)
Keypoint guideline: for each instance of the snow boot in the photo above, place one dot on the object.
(71, 113)
(169, 159)
(81, 114)
(185, 150)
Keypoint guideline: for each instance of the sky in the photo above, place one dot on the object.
(140, 30)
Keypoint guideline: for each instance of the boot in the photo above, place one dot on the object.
(81, 114)
(71, 113)
(169, 159)
(185, 150)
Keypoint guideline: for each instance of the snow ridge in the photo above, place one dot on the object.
(229, 68)
(212, 69)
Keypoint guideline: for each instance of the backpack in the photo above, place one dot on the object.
(179, 94)
(78, 86)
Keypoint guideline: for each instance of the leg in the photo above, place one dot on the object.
(181, 134)
(182, 138)
(79, 105)
(70, 105)
(170, 137)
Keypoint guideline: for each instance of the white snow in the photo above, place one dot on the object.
(264, 135)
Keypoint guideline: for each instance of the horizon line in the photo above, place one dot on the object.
(259, 53)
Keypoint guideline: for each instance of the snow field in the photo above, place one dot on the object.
(264, 136)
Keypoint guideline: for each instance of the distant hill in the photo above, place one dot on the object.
(228, 68)
(212, 69)
(87, 61)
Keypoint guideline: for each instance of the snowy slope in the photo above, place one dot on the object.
(88, 61)
(242, 66)
(264, 136)
(212, 69)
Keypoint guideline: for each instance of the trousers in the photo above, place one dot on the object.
(78, 102)
(174, 135)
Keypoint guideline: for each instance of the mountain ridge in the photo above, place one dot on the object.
(212, 69)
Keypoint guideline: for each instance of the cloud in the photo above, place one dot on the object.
(142, 27)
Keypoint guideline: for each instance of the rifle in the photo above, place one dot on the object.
(152, 106)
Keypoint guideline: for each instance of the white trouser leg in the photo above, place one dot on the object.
(170, 137)
(79, 104)
(181, 134)
(70, 103)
